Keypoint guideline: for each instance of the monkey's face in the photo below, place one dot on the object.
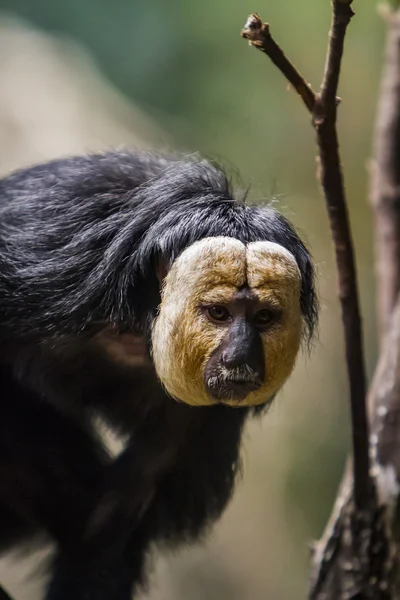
(229, 325)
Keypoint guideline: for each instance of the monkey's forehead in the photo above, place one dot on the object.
(225, 260)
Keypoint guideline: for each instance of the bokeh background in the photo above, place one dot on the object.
(78, 76)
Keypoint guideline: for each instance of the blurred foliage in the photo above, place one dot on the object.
(185, 65)
(185, 62)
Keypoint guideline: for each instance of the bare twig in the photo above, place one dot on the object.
(259, 36)
(323, 107)
(385, 177)
(341, 16)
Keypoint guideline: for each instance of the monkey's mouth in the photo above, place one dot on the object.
(232, 386)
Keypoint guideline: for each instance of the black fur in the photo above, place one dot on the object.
(80, 240)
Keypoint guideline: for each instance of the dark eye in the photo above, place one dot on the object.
(264, 317)
(218, 313)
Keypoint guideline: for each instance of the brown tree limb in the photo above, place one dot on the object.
(259, 36)
(385, 178)
(324, 119)
(384, 399)
(358, 557)
(341, 16)
(384, 395)
(323, 107)
(384, 402)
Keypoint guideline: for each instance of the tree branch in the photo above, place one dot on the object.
(380, 576)
(358, 557)
(385, 178)
(341, 16)
(384, 402)
(323, 107)
(259, 36)
(324, 120)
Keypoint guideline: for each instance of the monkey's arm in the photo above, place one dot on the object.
(56, 479)
(50, 467)
(107, 562)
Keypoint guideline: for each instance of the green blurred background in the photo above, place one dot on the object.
(79, 75)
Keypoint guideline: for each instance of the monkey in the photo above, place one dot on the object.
(136, 288)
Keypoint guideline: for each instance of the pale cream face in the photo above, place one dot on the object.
(210, 272)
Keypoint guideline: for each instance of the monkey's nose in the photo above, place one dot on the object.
(231, 360)
(242, 363)
(242, 348)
